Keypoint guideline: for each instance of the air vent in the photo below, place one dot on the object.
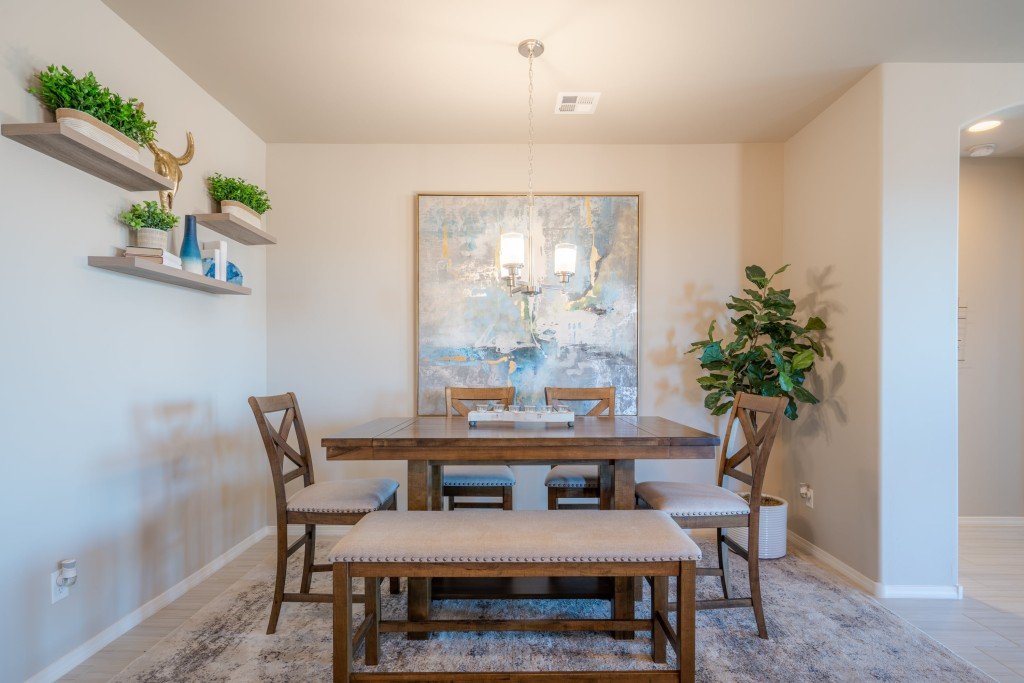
(577, 102)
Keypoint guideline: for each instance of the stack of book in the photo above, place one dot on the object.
(155, 255)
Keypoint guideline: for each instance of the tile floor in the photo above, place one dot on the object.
(986, 627)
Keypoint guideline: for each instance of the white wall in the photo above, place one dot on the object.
(831, 236)
(127, 440)
(924, 107)
(342, 307)
(992, 373)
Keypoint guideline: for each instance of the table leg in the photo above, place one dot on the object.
(436, 487)
(624, 493)
(419, 589)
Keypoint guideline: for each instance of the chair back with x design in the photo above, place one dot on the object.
(275, 440)
(759, 418)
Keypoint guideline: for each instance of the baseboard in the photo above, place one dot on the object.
(804, 546)
(879, 590)
(991, 521)
(920, 592)
(90, 647)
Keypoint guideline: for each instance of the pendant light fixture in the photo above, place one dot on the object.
(515, 254)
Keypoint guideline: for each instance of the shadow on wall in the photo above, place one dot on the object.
(827, 380)
(678, 371)
(201, 490)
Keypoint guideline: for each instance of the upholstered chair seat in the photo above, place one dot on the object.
(572, 477)
(685, 499)
(479, 475)
(350, 496)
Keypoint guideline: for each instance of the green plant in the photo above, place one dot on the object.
(238, 190)
(148, 215)
(60, 88)
(770, 354)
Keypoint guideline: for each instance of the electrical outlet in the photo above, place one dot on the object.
(57, 591)
(807, 493)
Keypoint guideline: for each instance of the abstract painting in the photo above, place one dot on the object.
(472, 333)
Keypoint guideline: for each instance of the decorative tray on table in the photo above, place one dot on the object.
(522, 416)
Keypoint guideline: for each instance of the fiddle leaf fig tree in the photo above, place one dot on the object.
(769, 354)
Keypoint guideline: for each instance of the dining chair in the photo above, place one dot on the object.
(710, 506)
(329, 503)
(578, 481)
(476, 481)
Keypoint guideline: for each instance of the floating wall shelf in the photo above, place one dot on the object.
(144, 268)
(235, 228)
(64, 144)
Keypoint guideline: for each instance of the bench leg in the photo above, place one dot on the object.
(659, 603)
(371, 609)
(686, 620)
(342, 623)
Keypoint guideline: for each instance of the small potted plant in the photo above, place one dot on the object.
(91, 109)
(150, 223)
(769, 355)
(241, 199)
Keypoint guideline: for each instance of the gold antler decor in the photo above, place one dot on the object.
(169, 166)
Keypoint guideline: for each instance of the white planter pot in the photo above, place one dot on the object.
(94, 129)
(772, 534)
(242, 213)
(151, 237)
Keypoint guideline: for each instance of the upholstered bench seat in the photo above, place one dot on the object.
(350, 495)
(685, 499)
(516, 536)
(490, 544)
(572, 477)
(479, 475)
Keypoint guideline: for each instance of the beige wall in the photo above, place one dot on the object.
(127, 440)
(342, 307)
(992, 374)
(831, 236)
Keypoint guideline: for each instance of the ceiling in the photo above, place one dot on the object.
(1008, 138)
(447, 71)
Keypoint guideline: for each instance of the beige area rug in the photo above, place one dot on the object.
(821, 630)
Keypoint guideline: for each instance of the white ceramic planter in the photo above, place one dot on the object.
(151, 237)
(242, 213)
(772, 534)
(94, 129)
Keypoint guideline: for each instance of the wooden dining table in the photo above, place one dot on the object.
(614, 444)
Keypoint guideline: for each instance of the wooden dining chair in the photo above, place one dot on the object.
(710, 506)
(578, 481)
(476, 481)
(330, 502)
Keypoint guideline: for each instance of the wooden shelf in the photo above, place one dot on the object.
(235, 228)
(144, 268)
(64, 144)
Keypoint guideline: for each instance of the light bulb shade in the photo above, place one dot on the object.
(565, 258)
(513, 250)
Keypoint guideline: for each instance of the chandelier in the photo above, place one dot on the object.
(516, 249)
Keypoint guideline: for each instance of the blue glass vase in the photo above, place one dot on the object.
(191, 258)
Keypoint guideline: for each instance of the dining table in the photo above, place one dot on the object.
(613, 443)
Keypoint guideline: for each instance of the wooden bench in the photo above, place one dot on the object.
(484, 543)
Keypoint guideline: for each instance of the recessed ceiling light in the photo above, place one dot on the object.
(982, 126)
(981, 150)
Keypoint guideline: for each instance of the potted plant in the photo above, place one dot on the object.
(91, 109)
(150, 223)
(244, 200)
(769, 355)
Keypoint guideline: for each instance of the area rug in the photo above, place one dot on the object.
(821, 630)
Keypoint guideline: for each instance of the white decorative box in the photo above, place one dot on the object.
(522, 417)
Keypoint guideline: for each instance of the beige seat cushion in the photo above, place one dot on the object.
(516, 536)
(479, 475)
(683, 499)
(349, 495)
(572, 477)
